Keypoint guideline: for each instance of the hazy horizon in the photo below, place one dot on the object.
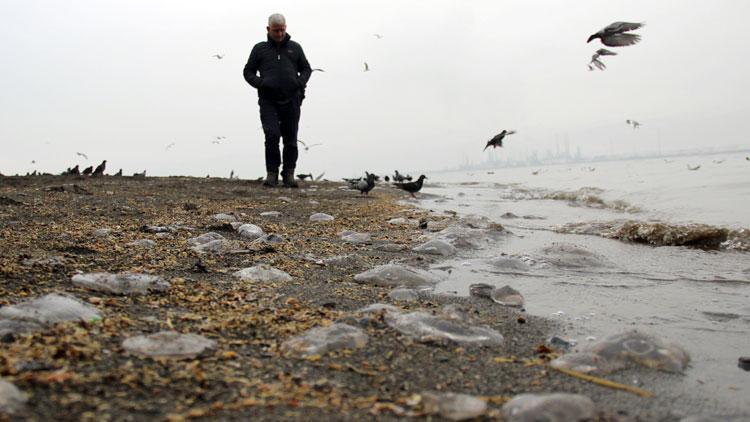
(121, 81)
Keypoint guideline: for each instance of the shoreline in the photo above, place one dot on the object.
(80, 369)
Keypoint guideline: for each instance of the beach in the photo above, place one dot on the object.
(55, 227)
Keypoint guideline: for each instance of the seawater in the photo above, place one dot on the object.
(668, 249)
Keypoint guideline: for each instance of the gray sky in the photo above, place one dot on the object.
(121, 80)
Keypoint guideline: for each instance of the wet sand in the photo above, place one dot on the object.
(79, 370)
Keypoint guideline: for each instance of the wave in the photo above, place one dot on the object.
(656, 233)
(590, 197)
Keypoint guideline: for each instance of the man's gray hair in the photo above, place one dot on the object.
(276, 19)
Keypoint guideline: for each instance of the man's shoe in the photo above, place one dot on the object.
(272, 179)
(287, 177)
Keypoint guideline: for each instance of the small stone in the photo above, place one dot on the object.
(319, 217)
(285, 199)
(556, 407)
(320, 340)
(168, 344)
(262, 272)
(456, 407)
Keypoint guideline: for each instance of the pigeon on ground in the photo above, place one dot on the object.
(305, 176)
(119, 173)
(615, 34)
(364, 186)
(387, 179)
(75, 171)
(398, 177)
(412, 187)
(497, 140)
(99, 171)
(140, 175)
(88, 170)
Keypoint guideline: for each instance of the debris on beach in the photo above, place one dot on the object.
(436, 247)
(262, 273)
(320, 216)
(395, 275)
(50, 309)
(453, 406)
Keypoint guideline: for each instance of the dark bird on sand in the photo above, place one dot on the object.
(387, 179)
(88, 170)
(99, 171)
(75, 171)
(364, 186)
(140, 175)
(398, 177)
(305, 176)
(497, 140)
(615, 34)
(412, 187)
(119, 173)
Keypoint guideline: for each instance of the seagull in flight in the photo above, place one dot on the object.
(82, 155)
(307, 147)
(616, 34)
(378, 36)
(635, 124)
(497, 140)
(216, 142)
(219, 56)
(169, 146)
(367, 67)
(320, 176)
(318, 70)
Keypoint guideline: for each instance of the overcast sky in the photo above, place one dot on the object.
(120, 80)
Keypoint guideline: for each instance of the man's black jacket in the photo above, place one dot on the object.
(284, 70)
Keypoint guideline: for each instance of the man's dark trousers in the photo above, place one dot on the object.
(280, 120)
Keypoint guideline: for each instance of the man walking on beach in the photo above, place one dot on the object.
(284, 72)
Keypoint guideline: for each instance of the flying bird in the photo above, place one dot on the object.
(691, 168)
(378, 36)
(82, 155)
(412, 187)
(307, 147)
(169, 146)
(320, 176)
(219, 56)
(99, 171)
(318, 70)
(216, 142)
(615, 34)
(367, 67)
(635, 124)
(596, 62)
(497, 140)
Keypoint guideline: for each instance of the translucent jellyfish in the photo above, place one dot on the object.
(436, 247)
(168, 344)
(320, 340)
(556, 407)
(452, 406)
(396, 275)
(50, 309)
(428, 328)
(123, 283)
(262, 272)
